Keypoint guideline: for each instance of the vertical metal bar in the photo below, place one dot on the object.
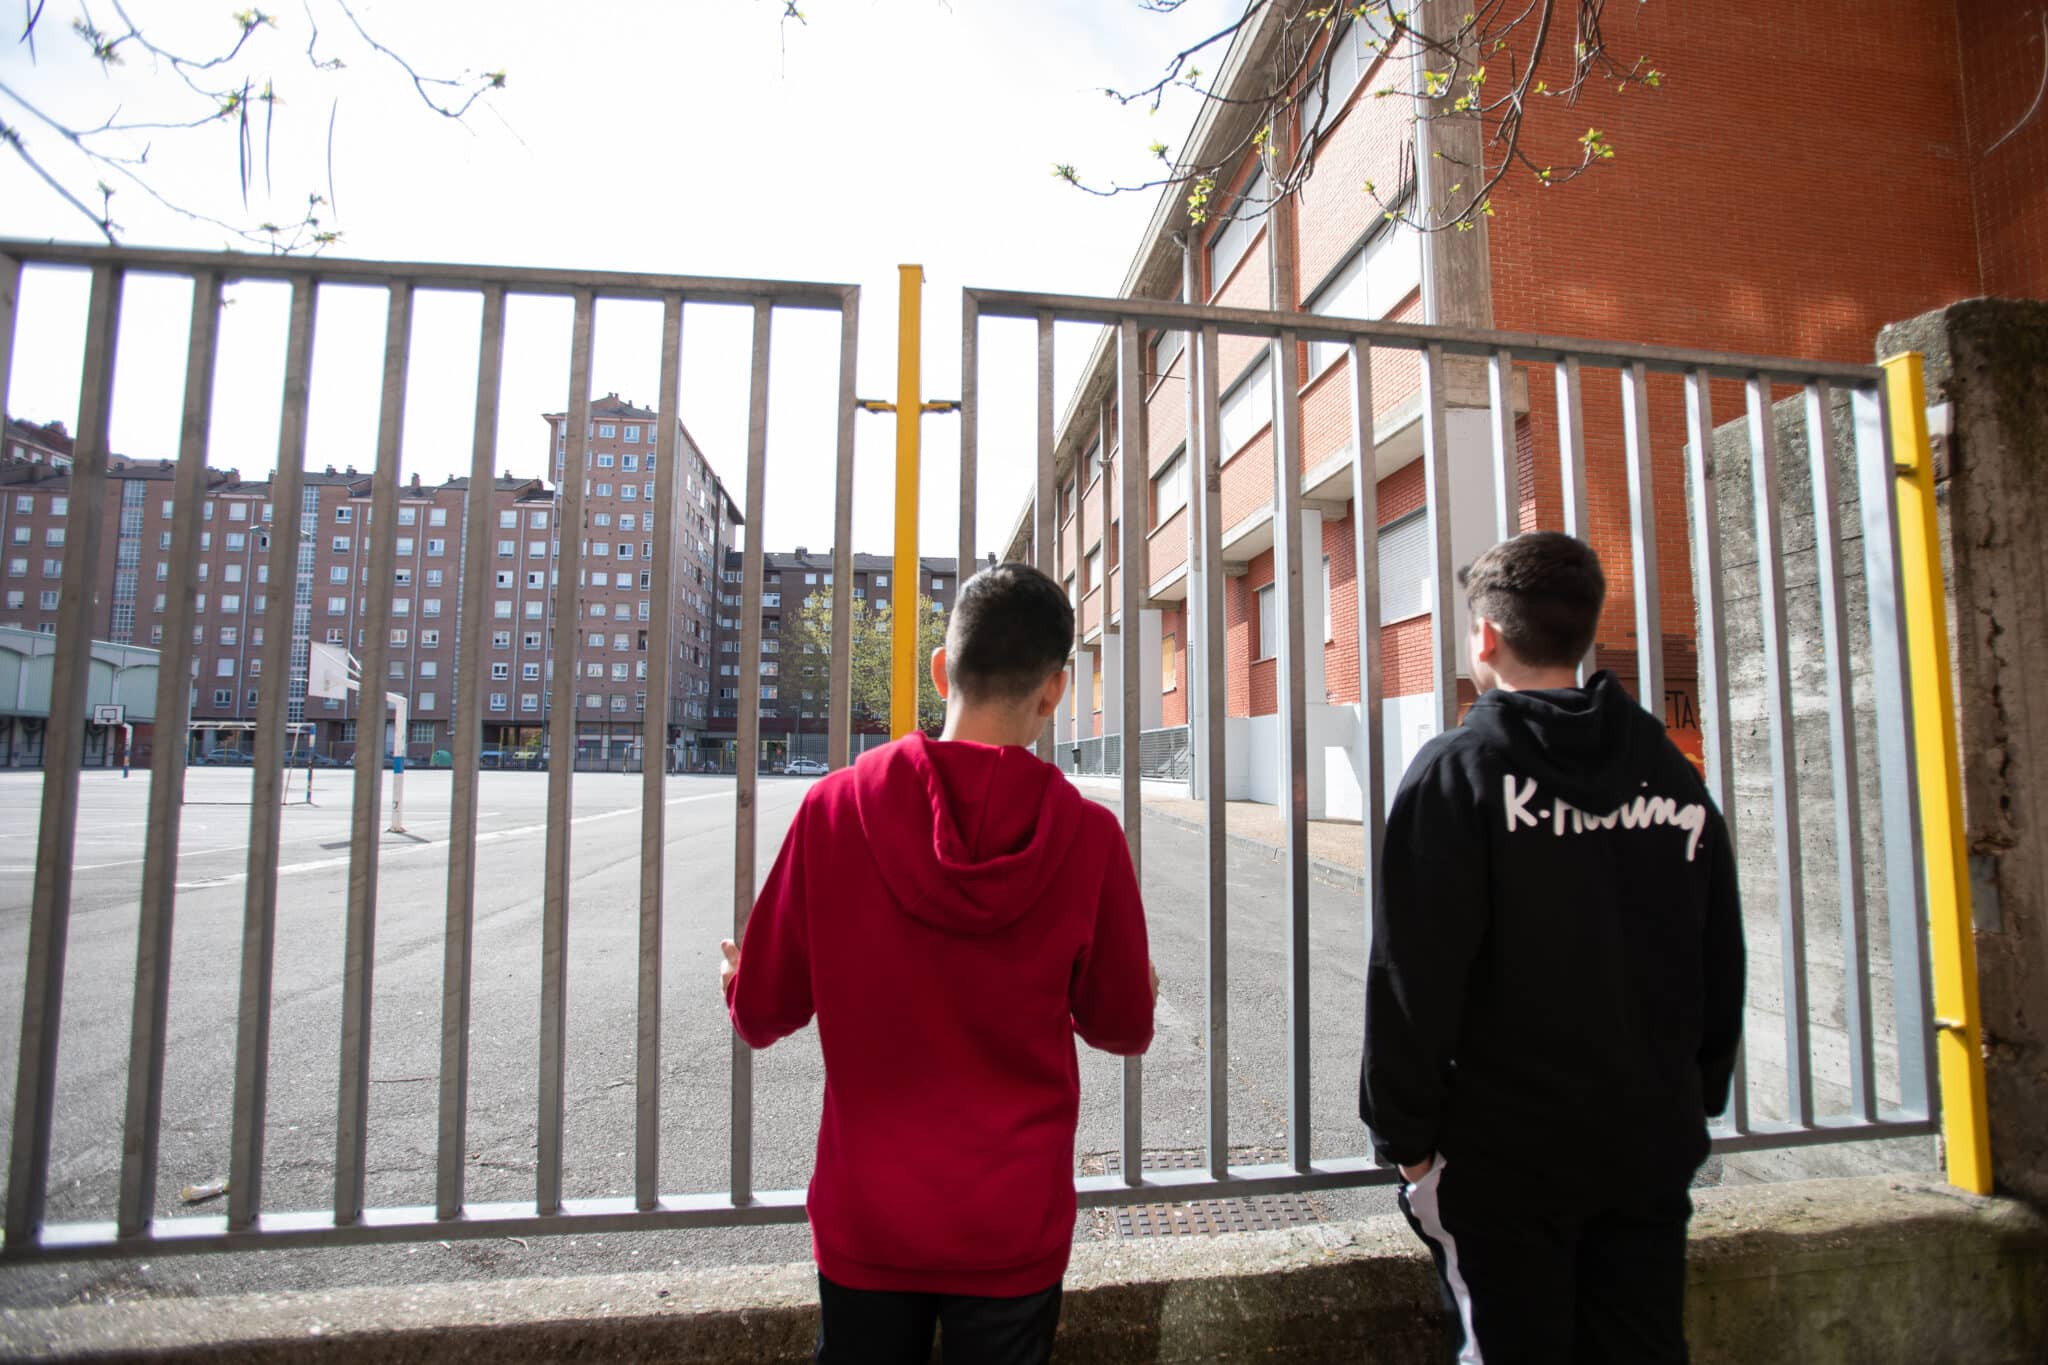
(1436, 477)
(259, 899)
(1898, 783)
(63, 750)
(1827, 552)
(1571, 445)
(661, 655)
(839, 749)
(1507, 489)
(748, 728)
(1293, 689)
(1215, 770)
(1959, 1044)
(1635, 426)
(567, 655)
(352, 1134)
(1372, 683)
(1199, 565)
(1132, 580)
(1763, 445)
(10, 295)
(142, 1128)
(1045, 521)
(903, 683)
(451, 1158)
(1717, 738)
(970, 431)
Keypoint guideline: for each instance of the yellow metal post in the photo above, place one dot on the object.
(903, 660)
(1959, 1042)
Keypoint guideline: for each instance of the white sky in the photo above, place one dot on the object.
(697, 137)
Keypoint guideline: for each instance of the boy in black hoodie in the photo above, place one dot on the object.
(1554, 996)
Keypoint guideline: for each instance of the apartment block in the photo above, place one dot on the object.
(795, 682)
(230, 576)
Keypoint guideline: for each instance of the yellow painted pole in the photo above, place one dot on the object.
(903, 660)
(1959, 1037)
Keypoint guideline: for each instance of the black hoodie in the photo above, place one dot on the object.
(1554, 994)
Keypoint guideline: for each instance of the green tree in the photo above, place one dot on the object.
(807, 657)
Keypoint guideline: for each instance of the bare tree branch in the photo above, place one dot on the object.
(1483, 72)
(227, 91)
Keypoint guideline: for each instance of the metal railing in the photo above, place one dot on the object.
(1163, 755)
(1567, 361)
(249, 1224)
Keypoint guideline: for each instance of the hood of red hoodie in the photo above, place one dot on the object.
(967, 837)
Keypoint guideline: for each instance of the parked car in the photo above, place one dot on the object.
(491, 758)
(309, 758)
(226, 758)
(806, 767)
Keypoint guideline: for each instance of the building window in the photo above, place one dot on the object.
(408, 516)
(437, 516)
(632, 434)
(223, 696)
(1329, 632)
(1166, 348)
(1248, 407)
(529, 701)
(607, 430)
(1372, 284)
(1269, 621)
(604, 462)
(1094, 566)
(343, 515)
(500, 672)
(434, 547)
(497, 701)
(1234, 238)
(1169, 670)
(1404, 569)
(1170, 488)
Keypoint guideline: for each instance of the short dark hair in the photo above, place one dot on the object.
(1544, 589)
(1011, 629)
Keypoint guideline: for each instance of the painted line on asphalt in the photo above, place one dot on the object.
(402, 850)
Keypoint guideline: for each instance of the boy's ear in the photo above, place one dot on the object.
(1486, 641)
(939, 679)
(1049, 695)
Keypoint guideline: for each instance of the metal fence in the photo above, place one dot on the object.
(1163, 755)
(248, 1223)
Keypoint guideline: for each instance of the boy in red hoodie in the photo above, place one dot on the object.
(954, 912)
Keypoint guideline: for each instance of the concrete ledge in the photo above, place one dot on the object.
(1866, 1270)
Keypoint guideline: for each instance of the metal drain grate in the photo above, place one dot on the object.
(1203, 1216)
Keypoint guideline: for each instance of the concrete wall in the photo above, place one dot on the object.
(1866, 1271)
(1753, 817)
(1987, 387)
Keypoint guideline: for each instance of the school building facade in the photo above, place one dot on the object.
(1730, 220)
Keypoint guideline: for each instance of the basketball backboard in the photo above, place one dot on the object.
(109, 713)
(327, 671)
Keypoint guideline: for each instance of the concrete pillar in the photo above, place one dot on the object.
(1063, 718)
(1084, 693)
(1151, 674)
(1315, 690)
(1112, 665)
(1987, 395)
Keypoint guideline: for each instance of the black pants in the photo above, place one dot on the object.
(1602, 1283)
(878, 1327)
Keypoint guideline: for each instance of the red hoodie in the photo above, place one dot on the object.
(954, 914)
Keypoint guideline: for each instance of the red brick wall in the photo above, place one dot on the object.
(2001, 64)
(1709, 230)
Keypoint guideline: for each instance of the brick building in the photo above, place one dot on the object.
(621, 519)
(28, 443)
(795, 687)
(231, 578)
(1735, 222)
